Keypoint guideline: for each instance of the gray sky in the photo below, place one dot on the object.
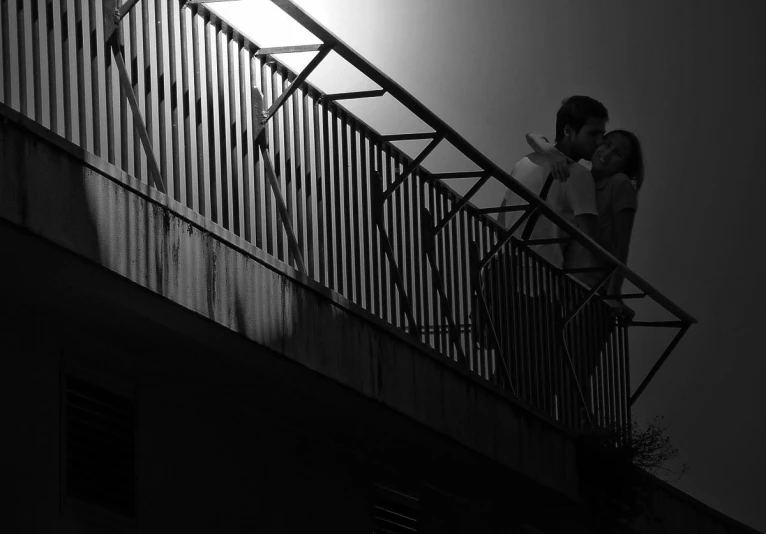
(690, 79)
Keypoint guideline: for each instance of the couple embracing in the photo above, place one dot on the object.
(600, 197)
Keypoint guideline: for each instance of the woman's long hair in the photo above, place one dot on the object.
(634, 165)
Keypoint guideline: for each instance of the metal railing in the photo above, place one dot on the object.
(171, 94)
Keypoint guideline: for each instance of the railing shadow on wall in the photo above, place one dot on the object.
(171, 94)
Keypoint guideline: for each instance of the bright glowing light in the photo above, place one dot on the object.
(263, 23)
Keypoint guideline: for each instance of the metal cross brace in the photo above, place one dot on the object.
(113, 14)
(377, 218)
(484, 309)
(428, 251)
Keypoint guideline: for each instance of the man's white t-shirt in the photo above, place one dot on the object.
(576, 196)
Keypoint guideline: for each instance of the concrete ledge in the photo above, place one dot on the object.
(60, 193)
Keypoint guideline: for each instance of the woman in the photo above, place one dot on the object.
(617, 167)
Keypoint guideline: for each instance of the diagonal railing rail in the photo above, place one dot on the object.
(173, 95)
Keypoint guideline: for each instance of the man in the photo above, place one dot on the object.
(580, 127)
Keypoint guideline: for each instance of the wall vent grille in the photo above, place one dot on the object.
(99, 447)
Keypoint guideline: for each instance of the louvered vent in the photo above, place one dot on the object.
(100, 462)
(394, 512)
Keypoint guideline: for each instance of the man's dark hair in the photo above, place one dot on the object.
(575, 111)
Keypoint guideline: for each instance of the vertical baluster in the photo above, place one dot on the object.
(379, 164)
(15, 59)
(514, 298)
(225, 171)
(355, 193)
(437, 213)
(26, 59)
(309, 185)
(627, 385)
(278, 156)
(128, 154)
(452, 267)
(327, 177)
(600, 375)
(500, 313)
(41, 63)
(164, 122)
(390, 171)
(338, 175)
(567, 334)
(526, 316)
(288, 172)
(5, 96)
(141, 86)
(177, 115)
(542, 352)
(374, 177)
(319, 193)
(202, 110)
(300, 179)
(533, 306)
(404, 235)
(609, 374)
(473, 315)
(616, 376)
(112, 90)
(237, 209)
(553, 353)
(84, 82)
(214, 123)
(394, 234)
(259, 186)
(582, 333)
(72, 112)
(186, 49)
(617, 380)
(405, 243)
(346, 184)
(248, 147)
(56, 57)
(480, 321)
(272, 225)
(366, 243)
(415, 207)
(596, 344)
(98, 63)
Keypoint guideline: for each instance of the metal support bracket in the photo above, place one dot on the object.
(484, 310)
(656, 367)
(281, 206)
(461, 203)
(113, 14)
(577, 309)
(412, 166)
(504, 238)
(377, 218)
(427, 237)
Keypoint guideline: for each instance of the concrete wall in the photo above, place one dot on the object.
(68, 197)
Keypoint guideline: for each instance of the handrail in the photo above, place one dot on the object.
(472, 153)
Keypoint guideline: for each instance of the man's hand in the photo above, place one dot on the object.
(622, 311)
(559, 165)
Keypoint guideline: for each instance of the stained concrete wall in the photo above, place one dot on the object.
(66, 196)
